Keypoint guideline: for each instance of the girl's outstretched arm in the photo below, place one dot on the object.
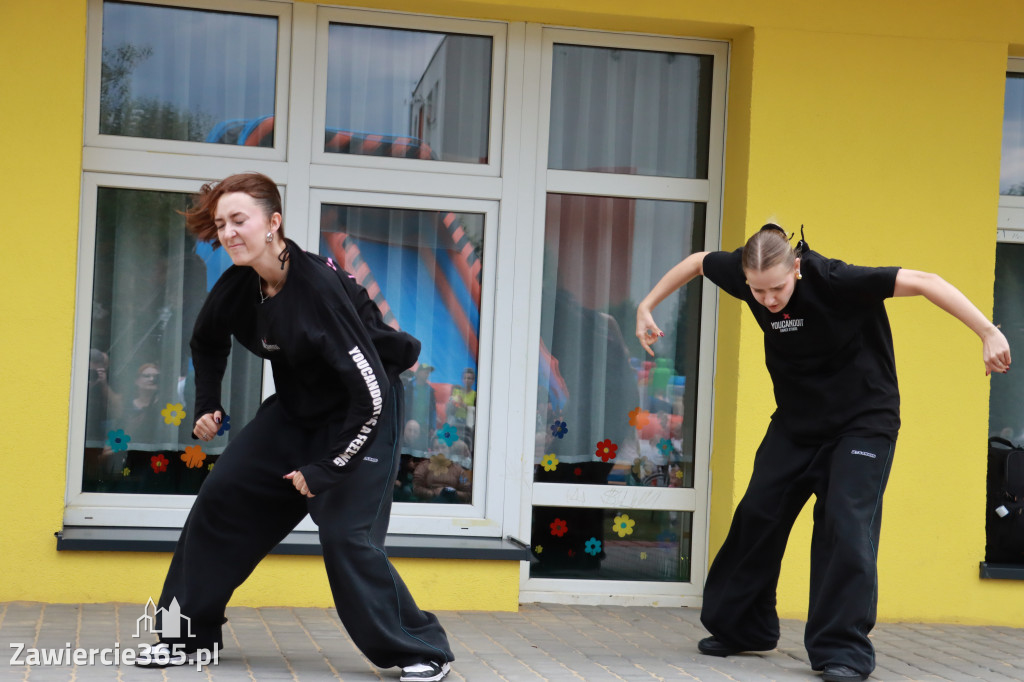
(995, 349)
(647, 332)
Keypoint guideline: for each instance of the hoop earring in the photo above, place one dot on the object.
(270, 237)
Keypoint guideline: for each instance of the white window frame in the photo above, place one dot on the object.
(94, 60)
(113, 161)
(483, 516)
(494, 30)
(538, 182)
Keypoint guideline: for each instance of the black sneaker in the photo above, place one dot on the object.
(835, 672)
(428, 671)
(712, 646)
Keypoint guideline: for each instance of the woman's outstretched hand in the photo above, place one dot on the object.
(995, 352)
(646, 331)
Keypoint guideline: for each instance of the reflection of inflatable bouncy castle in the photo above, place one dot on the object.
(435, 292)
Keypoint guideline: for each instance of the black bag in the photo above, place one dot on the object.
(1004, 518)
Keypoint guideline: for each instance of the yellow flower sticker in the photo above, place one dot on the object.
(550, 462)
(126, 472)
(623, 525)
(173, 413)
(193, 457)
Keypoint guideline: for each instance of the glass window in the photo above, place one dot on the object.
(423, 269)
(607, 413)
(409, 94)
(610, 544)
(1006, 418)
(630, 111)
(1011, 174)
(151, 278)
(183, 74)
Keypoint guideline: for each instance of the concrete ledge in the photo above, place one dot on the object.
(127, 539)
(1002, 571)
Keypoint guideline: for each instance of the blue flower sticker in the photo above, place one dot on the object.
(447, 434)
(559, 429)
(593, 547)
(665, 446)
(118, 440)
(225, 425)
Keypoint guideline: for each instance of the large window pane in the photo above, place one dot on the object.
(1006, 416)
(182, 74)
(611, 544)
(411, 94)
(423, 269)
(607, 413)
(630, 111)
(1011, 174)
(151, 278)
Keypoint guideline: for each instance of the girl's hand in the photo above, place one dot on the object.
(646, 331)
(208, 425)
(299, 481)
(995, 352)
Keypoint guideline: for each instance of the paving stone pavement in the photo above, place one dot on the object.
(540, 642)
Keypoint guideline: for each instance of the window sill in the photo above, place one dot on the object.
(124, 539)
(1002, 571)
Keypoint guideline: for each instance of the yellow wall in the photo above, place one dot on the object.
(876, 125)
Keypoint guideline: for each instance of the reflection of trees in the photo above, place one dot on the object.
(1015, 191)
(122, 114)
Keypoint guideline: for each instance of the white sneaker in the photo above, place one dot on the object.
(428, 671)
(160, 656)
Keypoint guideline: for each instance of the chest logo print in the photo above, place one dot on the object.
(269, 346)
(787, 324)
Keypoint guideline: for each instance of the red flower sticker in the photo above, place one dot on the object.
(606, 450)
(559, 527)
(159, 463)
(578, 471)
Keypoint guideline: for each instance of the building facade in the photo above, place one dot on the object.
(507, 180)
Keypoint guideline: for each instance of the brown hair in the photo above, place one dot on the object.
(767, 248)
(199, 217)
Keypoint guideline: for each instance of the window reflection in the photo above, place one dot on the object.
(151, 278)
(409, 94)
(423, 270)
(607, 413)
(630, 111)
(183, 74)
(1011, 174)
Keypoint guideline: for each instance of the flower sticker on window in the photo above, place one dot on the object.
(158, 463)
(623, 525)
(665, 446)
(118, 440)
(447, 434)
(193, 457)
(173, 413)
(559, 429)
(550, 462)
(606, 450)
(225, 425)
(209, 467)
(639, 417)
(559, 527)
(643, 556)
(538, 549)
(578, 471)
(593, 547)
(126, 472)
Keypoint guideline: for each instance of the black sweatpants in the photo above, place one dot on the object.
(848, 477)
(245, 507)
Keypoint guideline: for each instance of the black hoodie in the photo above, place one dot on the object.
(333, 357)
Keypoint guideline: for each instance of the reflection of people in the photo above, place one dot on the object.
(461, 410)
(439, 479)
(421, 407)
(104, 403)
(325, 444)
(829, 352)
(142, 412)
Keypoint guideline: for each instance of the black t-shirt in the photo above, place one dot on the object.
(829, 351)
